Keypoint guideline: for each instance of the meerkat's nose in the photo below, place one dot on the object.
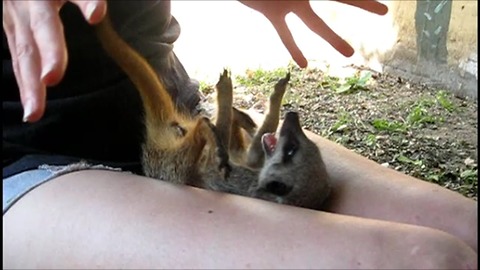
(278, 188)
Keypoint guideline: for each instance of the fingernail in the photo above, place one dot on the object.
(47, 75)
(302, 62)
(349, 52)
(90, 9)
(27, 111)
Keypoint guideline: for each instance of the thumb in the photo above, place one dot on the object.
(93, 10)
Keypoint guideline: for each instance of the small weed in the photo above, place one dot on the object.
(386, 125)
(342, 123)
(432, 177)
(444, 101)
(329, 82)
(356, 82)
(403, 159)
(261, 77)
(425, 102)
(371, 140)
(469, 176)
(205, 88)
(420, 112)
(419, 115)
(348, 85)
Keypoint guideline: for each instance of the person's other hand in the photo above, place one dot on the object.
(275, 11)
(35, 37)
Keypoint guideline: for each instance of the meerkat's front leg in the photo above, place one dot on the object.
(224, 102)
(223, 123)
(255, 155)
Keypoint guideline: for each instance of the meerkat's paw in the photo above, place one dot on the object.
(280, 88)
(224, 86)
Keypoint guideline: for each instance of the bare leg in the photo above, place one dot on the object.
(101, 219)
(361, 187)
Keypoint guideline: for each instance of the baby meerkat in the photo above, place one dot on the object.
(288, 169)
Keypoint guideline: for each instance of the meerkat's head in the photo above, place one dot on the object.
(293, 172)
(173, 152)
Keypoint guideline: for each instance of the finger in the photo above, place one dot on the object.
(47, 30)
(11, 44)
(317, 25)
(32, 91)
(287, 39)
(368, 5)
(93, 10)
(9, 29)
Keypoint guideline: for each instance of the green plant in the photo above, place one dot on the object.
(329, 82)
(386, 125)
(420, 114)
(342, 123)
(205, 88)
(371, 140)
(403, 159)
(469, 176)
(356, 82)
(444, 101)
(433, 177)
(261, 77)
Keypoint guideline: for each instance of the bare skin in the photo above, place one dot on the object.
(99, 219)
(383, 193)
(276, 15)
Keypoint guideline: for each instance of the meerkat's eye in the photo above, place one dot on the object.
(180, 131)
(289, 150)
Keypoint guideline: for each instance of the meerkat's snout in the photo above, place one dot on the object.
(278, 188)
(279, 155)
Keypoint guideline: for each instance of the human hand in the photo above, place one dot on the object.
(275, 11)
(37, 45)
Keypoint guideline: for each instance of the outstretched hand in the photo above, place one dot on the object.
(275, 11)
(37, 45)
(39, 57)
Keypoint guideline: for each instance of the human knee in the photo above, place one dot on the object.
(439, 250)
(469, 231)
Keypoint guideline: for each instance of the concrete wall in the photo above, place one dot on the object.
(460, 73)
(216, 34)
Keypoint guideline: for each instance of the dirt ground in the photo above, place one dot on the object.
(421, 131)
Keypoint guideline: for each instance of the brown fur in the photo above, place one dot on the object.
(228, 156)
(174, 142)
